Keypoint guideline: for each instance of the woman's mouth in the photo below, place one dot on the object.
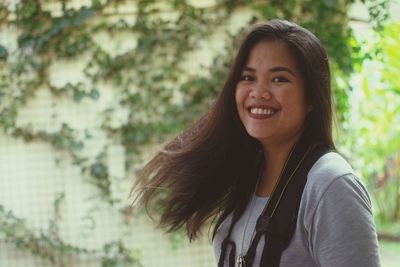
(261, 112)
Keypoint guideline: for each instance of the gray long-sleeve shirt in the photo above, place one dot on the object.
(335, 227)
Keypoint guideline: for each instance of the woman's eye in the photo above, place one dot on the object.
(246, 78)
(279, 79)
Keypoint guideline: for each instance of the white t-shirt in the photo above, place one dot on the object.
(335, 226)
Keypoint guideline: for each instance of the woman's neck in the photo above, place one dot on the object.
(275, 158)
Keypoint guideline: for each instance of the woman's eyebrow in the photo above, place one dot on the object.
(274, 69)
(279, 68)
(247, 68)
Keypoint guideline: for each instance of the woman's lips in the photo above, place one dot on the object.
(261, 112)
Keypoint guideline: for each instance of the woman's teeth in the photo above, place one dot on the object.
(262, 111)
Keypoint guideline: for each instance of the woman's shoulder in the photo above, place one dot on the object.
(332, 187)
(331, 164)
(335, 201)
(330, 175)
(329, 168)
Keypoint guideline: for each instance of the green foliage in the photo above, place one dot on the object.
(374, 130)
(116, 255)
(146, 79)
(77, 91)
(45, 245)
(43, 33)
(100, 176)
(3, 53)
(50, 247)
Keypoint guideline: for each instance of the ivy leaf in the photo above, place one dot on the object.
(59, 26)
(77, 146)
(99, 171)
(83, 15)
(330, 3)
(29, 8)
(78, 95)
(96, 4)
(94, 94)
(3, 53)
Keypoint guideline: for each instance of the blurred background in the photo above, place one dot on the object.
(90, 89)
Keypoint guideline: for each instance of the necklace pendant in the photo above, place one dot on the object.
(240, 262)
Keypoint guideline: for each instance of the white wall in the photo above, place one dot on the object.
(33, 174)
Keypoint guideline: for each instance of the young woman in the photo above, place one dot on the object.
(262, 163)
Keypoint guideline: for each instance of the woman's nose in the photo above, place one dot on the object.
(260, 90)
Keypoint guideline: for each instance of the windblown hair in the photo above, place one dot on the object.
(211, 168)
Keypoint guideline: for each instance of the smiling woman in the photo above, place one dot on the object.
(270, 95)
(271, 103)
(262, 162)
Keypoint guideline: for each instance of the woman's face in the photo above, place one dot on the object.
(270, 94)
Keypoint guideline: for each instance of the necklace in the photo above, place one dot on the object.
(240, 258)
(240, 262)
(247, 223)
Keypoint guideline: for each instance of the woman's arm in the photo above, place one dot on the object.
(342, 230)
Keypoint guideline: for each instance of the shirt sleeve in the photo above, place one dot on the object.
(342, 231)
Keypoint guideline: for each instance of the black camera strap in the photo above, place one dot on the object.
(278, 220)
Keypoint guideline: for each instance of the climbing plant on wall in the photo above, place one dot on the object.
(148, 78)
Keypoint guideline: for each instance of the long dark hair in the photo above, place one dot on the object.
(211, 168)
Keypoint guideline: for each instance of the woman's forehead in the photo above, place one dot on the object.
(270, 54)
